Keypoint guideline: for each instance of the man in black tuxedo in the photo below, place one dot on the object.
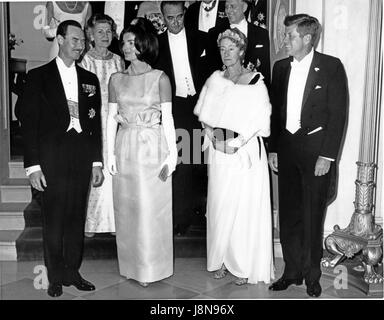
(206, 14)
(178, 54)
(309, 99)
(61, 126)
(200, 17)
(257, 12)
(257, 52)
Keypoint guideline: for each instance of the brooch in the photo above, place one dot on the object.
(317, 69)
(91, 113)
(89, 89)
(250, 66)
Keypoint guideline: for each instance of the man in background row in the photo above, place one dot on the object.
(179, 51)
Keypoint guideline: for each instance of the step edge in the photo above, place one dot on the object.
(17, 186)
(11, 213)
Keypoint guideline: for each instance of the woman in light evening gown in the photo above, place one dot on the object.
(103, 63)
(235, 110)
(142, 156)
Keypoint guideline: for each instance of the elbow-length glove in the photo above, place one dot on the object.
(170, 136)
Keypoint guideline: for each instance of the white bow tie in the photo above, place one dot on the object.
(297, 64)
(208, 7)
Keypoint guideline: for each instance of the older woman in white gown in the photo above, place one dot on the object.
(234, 108)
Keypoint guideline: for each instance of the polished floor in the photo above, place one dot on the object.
(25, 280)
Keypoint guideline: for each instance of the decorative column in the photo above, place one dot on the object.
(362, 239)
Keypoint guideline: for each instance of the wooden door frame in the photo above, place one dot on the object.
(4, 94)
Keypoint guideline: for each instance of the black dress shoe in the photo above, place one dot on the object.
(283, 284)
(55, 290)
(82, 285)
(314, 289)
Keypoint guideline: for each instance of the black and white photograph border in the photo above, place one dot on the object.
(352, 30)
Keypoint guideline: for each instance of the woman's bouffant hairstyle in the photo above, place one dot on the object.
(101, 18)
(145, 42)
(145, 24)
(237, 37)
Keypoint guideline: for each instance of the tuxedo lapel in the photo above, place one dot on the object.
(285, 79)
(311, 80)
(221, 16)
(80, 95)
(168, 55)
(55, 91)
(191, 47)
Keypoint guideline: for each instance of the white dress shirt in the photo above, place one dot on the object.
(242, 26)
(296, 87)
(116, 10)
(180, 62)
(68, 77)
(207, 19)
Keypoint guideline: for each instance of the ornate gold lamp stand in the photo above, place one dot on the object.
(363, 238)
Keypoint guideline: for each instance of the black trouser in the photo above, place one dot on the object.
(302, 205)
(189, 180)
(67, 170)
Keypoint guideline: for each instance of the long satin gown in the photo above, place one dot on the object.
(143, 203)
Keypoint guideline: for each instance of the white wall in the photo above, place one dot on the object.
(26, 19)
(345, 35)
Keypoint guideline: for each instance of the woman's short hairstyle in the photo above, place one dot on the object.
(237, 37)
(101, 18)
(145, 42)
(305, 25)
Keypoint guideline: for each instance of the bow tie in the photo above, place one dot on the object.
(209, 7)
(296, 64)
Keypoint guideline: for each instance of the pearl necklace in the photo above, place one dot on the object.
(135, 73)
(73, 9)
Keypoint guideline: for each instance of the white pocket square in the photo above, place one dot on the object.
(203, 54)
(91, 94)
(259, 46)
(318, 87)
(316, 130)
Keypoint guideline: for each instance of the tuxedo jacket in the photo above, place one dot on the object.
(164, 61)
(192, 15)
(45, 116)
(323, 108)
(257, 51)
